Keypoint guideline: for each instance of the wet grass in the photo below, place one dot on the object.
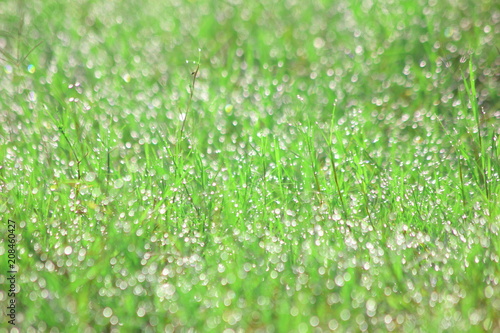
(312, 168)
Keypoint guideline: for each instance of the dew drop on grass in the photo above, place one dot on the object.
(68, 250)
(90, 177)
(107, 312)
(333, 324)
(118, 183)
(314, 321)
(141, 312)
(488, 292)
(371, 305)
(345, 315)
(49, 265)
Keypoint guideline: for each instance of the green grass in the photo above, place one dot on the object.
(326, 167)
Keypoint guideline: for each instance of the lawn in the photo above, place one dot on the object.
(240, 166)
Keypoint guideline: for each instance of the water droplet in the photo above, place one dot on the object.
(345, 315)
(371, 305)
(333, 324)
(68, 250)
(90, 177)
(107, 312)
(488, 292)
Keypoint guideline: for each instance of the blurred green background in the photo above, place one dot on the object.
(242, 225)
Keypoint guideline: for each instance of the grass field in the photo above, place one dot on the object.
(264, 166)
